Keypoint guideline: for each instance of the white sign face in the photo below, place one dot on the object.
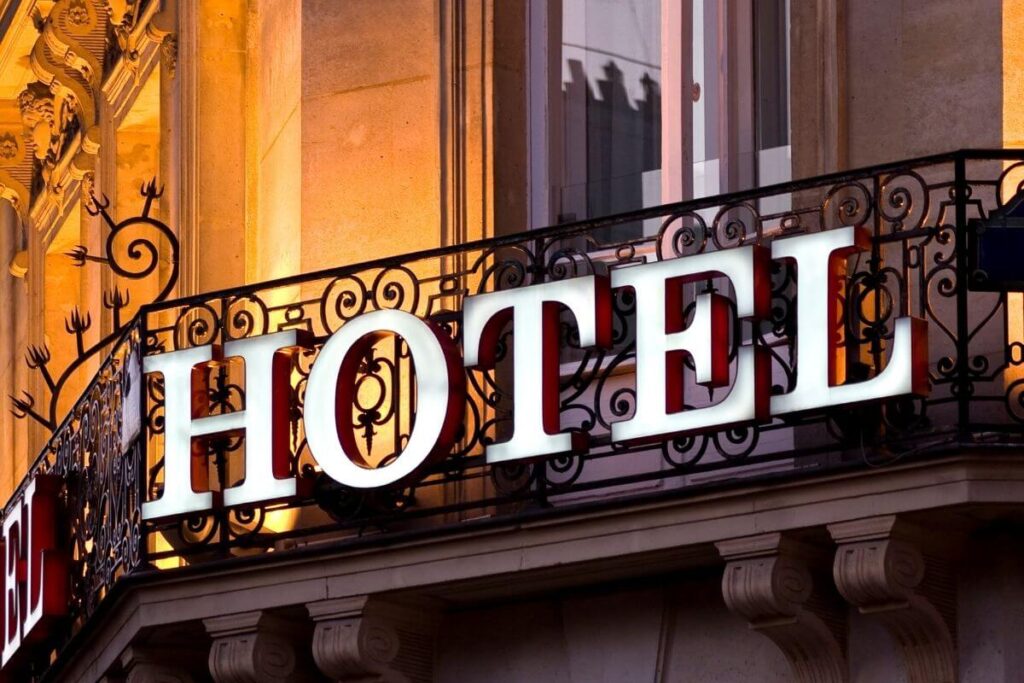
(663, 341)
(535, 317)
(662, 344)
(440, 389)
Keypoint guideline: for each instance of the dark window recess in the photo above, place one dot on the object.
(771, 74)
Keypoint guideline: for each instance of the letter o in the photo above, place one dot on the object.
(440, 400)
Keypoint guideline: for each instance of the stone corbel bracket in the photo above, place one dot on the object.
(768, 581)
(258, 646)
(368, 638)
(880, 568)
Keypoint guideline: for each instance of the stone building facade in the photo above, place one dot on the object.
(290, 137)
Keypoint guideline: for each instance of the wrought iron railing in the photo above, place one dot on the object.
(98, 450)
(917, 212)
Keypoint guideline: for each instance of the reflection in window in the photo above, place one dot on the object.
(611, 108)
(733, 130)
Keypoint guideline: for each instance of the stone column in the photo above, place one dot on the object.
(880, 568)
(364, 638)
(259, 647)
(768, 581)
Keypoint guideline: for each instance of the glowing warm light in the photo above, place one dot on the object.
(160, 545)
(1013, 136)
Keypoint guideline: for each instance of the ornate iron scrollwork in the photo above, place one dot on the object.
(130, 253)
(917, 215)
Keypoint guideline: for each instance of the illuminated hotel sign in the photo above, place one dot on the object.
(36, 581)
(662, 343)
(36, 578)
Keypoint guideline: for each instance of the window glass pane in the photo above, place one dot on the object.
(771, 82)
(707, 76)
(611, 108)
(771, 73)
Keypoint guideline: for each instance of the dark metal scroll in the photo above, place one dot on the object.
(98, 452)
(134, 249)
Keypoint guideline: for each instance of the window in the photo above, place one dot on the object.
(653, 101)
(611, 107)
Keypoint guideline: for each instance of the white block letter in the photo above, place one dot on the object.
(534, 312)
(820, 268)
(263, 421)
(12, 599)
(47, 569)
(662, 343)
(440, 398)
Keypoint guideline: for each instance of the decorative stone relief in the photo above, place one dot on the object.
(169, 49)
(880, 569)
(141, 29)
(369, 639)
(768, 582)
(59, 110)
(16, 160)
(257, 646)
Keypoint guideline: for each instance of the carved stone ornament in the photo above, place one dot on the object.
(59, 110)
(169, 51)
(36, 102)
(767, 581)
(10, 149)
(256, 646)
(883, 572)
(368, 639)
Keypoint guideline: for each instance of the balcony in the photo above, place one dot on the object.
(925, 216)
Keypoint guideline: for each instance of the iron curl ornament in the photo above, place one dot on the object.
(134, 250)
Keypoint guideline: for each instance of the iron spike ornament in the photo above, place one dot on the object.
(534, 312)
(132, 252)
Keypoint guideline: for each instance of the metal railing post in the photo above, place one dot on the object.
(962, 331)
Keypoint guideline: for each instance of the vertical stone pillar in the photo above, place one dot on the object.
(364, 638)
(880, 568)
(768, 581)
(257, 646)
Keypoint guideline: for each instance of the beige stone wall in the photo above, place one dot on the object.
(658, 630)
(274, 234)
(877, 80)
(924, 77)
(219, 157)
(370, 130)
